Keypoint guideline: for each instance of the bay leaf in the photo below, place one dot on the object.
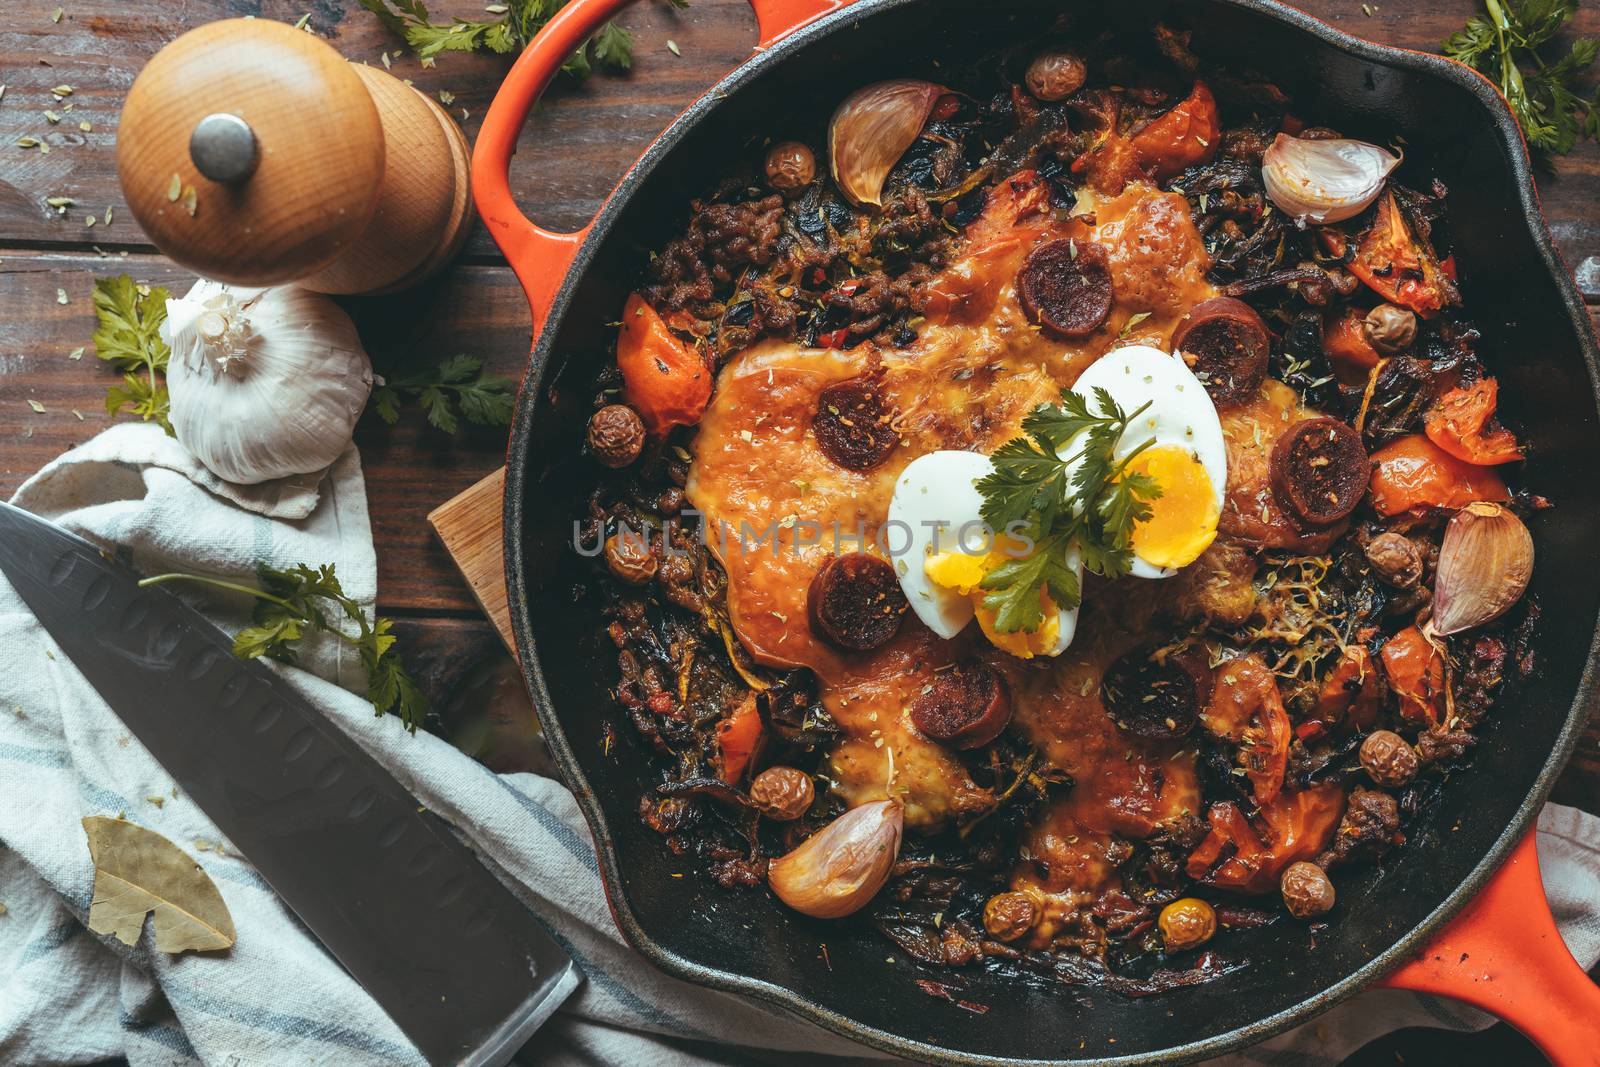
(137, 872)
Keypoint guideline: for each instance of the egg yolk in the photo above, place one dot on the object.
(961, 573)
(1183, 519)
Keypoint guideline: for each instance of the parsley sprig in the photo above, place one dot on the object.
(456, 388)
(611, 47)
(127, 335)
(290, 606)
(1509, 44)
(1082, 507)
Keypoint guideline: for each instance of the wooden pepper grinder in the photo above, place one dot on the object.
(253, 153)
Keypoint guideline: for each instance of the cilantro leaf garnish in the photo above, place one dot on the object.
(1090, 510)
(294, 604)
(456, 388)
(127, 335)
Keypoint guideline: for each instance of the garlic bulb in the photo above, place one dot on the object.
(1484, 565)
(871, 130)
(839, 868)
(265, 383)
(1324, 180)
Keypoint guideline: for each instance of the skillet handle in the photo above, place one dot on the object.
(539, 256)
(1504, 954)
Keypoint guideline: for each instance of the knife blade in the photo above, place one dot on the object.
(451, 954)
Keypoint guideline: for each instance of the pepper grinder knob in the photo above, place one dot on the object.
(223, 148)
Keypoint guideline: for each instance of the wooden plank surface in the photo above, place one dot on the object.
(575, 147)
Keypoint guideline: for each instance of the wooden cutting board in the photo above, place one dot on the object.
(470, 526)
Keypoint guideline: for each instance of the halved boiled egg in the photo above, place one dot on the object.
(1187, 457)
(936, 512)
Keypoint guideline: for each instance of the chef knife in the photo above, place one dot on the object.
(457, 961)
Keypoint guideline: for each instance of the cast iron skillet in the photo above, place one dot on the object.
(1536, 336)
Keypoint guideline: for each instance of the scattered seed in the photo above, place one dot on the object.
(495, 9)
(191, 200)
(108, 216)
(44, 149)
(174, 188)
(88, 220)
(385, 58)
(446, 97)
(52, 118)
(36, 406)
(61, 91)
(78, 413)
(85, 126)
(2, 92)
(58, 201)
(303, 22)
(76, 353)
(673, 47)
(55, 16)
(427, 63)
(28, 142)
(465, 114)
(61, 296)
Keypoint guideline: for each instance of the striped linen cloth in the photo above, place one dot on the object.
(68, 996)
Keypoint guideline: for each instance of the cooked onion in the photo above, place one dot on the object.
(872, 129)
(1484, 566)
(840, 867)
(1324, 181)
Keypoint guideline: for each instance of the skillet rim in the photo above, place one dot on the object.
(1584, 702)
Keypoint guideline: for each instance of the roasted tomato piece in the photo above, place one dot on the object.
(1319, 471)
(1066, 287)
(1155, 698)
(1413, 472)
(1344, 342)
(856, 602)
(1181, 138)
(1295, 826)
(1461, 423)
(1227, 345)
(738, 736)
(853, 427)
(664, 379)
(965, 706)
(1247, 710)
(1350, 692)
(1415, 670)
(1399, 264)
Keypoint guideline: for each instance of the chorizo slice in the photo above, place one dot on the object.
(1159, 699)
(1319, 471)
(1065, 286)
(853, 427)
(1227, 345)
(855, 602)
(966, 706)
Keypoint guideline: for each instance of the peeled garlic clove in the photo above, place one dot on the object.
(1324, 181)
(839, 868)
(872, 129)
(1484, 566)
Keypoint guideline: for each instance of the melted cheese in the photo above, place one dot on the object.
(977, 367)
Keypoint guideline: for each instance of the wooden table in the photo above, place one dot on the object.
(573, 150)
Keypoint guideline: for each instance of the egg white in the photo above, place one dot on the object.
(1181, 414)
